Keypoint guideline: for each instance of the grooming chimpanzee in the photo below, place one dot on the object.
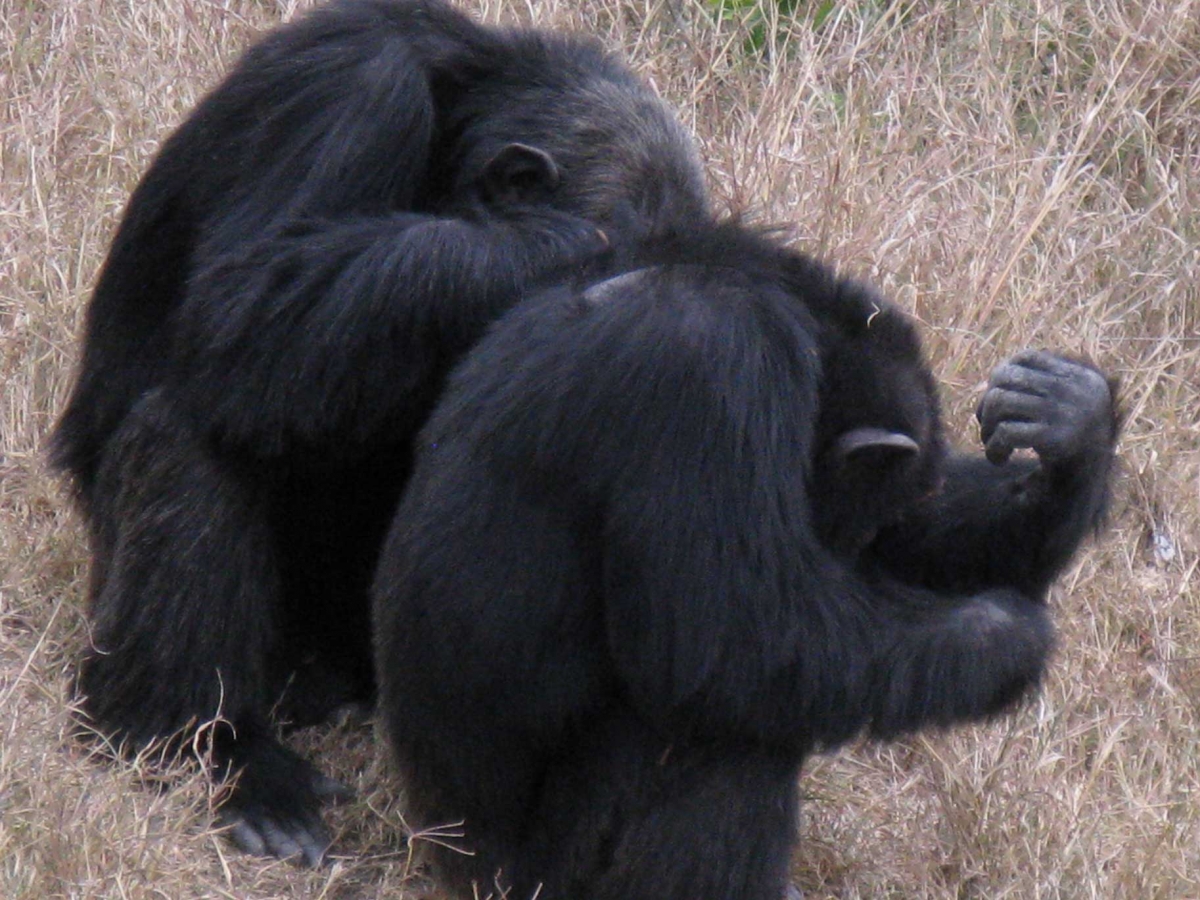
(669, 533)
(293, 278)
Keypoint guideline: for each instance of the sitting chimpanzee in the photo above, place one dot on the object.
(293, 278)
(669, 532)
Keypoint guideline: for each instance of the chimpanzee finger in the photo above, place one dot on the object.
(1013, 376)
(1009, 436)
(1018, 373)
(1050, 363)
(1066, 380)
(999, 405)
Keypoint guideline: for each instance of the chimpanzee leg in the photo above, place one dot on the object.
(633, 816)
(184, 594)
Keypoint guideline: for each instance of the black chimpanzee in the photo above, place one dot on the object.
(669, 533)
(292, 280)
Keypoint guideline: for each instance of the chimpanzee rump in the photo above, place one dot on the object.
(304, 260)
(669, 532)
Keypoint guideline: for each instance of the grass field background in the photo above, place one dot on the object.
(1017, 173)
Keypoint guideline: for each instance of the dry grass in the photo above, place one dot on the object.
(1019, 173)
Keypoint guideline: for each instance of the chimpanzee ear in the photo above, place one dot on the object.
(519, 174)
(860, 443)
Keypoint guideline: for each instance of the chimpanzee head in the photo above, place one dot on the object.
(571, 127)
(879, 441)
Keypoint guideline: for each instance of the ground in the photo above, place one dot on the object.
(1019, 173)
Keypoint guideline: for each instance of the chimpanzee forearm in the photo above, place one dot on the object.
(942, 659)
(1011, 525)
(870, 653)
(332, 332)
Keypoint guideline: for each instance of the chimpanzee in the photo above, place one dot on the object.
(293, 278)
(671, 531)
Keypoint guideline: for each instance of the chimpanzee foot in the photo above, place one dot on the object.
(274, 803)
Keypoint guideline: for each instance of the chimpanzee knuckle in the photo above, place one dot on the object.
(1030, 355)
(1001, 435)
(1026, 359)
(986, 403)
(1068, 372)
(1059, 364)
(1039, 362)
(990, 424)
(995, 432)
(992, 415)
(997, 449)
(1052, 361)
(1044, 383)
(1023, 380)
(986, 430)
(1001, 375)
(1054, 364)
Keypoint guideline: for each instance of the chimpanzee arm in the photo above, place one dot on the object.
(679, 411)
(322, 312)
(1008, 522)
(328, 336)
(332, 115)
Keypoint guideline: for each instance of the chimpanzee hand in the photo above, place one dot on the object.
(551, 238)
(1060, 408)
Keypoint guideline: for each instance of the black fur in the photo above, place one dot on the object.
(293, 278)
(612, 619)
